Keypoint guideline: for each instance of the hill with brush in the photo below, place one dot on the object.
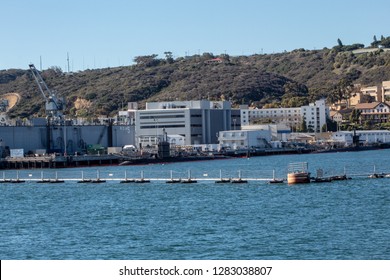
(285, 79)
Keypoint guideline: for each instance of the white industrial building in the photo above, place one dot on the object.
(197, 121)
(365, 136)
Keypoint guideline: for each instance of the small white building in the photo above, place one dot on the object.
(242, 139)
(279, 132)
(176, 139)
(365, 136)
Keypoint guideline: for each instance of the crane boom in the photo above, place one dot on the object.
(53, 105)
(39, 80)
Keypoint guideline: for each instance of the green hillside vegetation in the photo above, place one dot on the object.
(286, 79)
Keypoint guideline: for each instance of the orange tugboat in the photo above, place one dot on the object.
(298, 173)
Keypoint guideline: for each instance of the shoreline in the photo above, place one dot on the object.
(122, 160)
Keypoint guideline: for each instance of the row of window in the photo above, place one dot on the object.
(233, 142)
(233, 134)
(267, 113)
(312, 109)
(270, 111)
(161, 117)
(383, 133)
(163, 126)
(367, 134)
(284, 119)
(383, 117)
(375, 111)
(174, 106)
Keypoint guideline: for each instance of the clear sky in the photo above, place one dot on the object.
(109, 33)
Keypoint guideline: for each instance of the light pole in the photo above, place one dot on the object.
(156, 123)
(65, 152)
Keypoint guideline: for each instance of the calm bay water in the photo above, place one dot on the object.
(337, 220)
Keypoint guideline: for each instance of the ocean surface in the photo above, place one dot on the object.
(337, 220)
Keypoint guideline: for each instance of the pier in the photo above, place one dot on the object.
(55, 161)
(87, 160)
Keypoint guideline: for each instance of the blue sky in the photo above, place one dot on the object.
(99, 34)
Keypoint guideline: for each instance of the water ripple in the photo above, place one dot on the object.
(338, 220)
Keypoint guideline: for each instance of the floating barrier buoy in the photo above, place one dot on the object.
(297, 173)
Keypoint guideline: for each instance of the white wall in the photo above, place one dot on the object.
(241, 139)
(365, 136)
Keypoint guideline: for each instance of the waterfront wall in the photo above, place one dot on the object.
(32, 138)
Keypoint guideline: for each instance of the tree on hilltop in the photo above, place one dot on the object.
(147, 60)
(375, 42)
(385, 42)
(169, 57)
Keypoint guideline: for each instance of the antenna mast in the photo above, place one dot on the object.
(68, 61)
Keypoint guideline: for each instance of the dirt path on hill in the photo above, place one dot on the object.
(12, 97)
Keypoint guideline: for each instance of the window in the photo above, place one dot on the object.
(162, 117)
(162, 126)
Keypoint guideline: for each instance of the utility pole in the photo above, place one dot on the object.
(65, 140)
(156, 124)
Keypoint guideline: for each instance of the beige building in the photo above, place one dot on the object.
(375, 112)
(379, 93)
(386, 91)
(336, 116)
(341, 116)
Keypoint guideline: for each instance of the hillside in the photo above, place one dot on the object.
(290, 78)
